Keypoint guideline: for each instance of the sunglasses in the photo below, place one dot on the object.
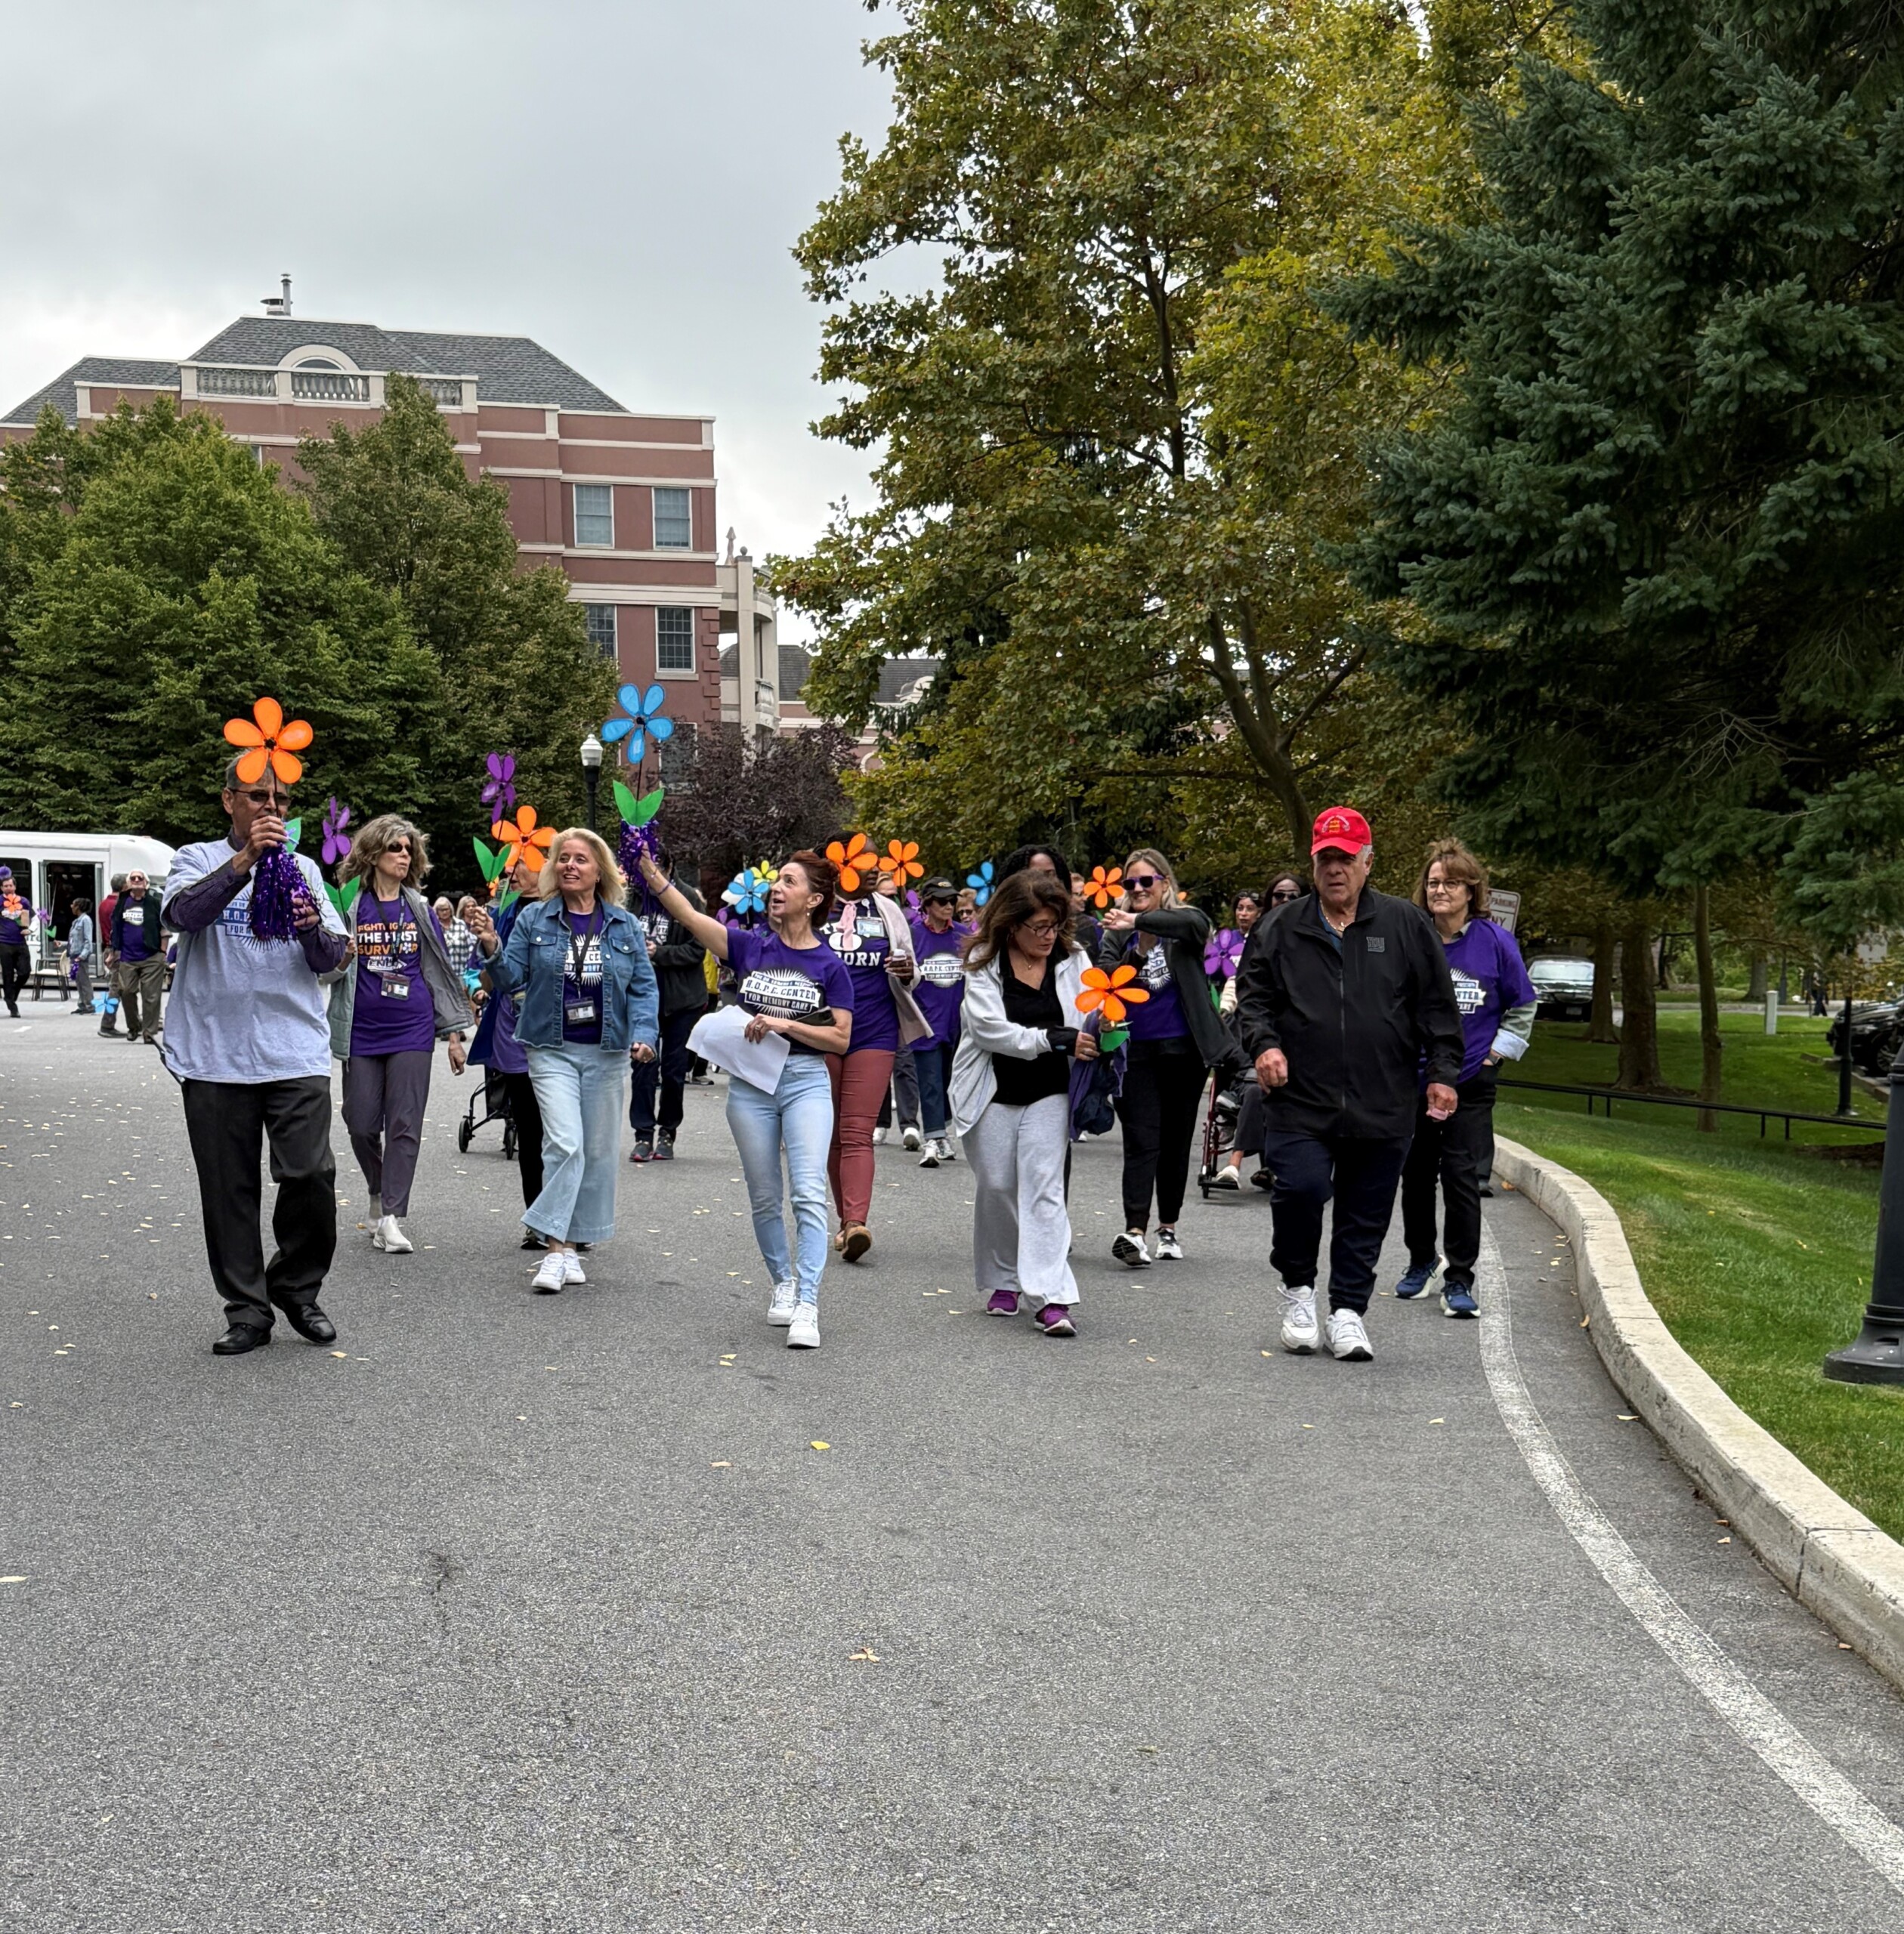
(940, 900)
(1144, 881)
(259, 797)
(1287, 893)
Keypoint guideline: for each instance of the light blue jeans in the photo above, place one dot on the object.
(582, 1090)
(798, 1116)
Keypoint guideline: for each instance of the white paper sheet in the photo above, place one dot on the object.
(720, 1037)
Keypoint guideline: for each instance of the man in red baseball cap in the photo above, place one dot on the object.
(1343, 999)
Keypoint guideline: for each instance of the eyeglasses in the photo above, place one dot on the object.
(1039, 930)
(1144, 881)
(1445, 886)
(258, 796)
(1277, 898)
(941, 899)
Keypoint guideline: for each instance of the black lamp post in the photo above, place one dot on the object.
(1878, 1356)
(591, 772)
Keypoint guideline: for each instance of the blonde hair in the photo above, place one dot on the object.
(374, 838)
(1461, 866)
(610, 885)
(1155, 861)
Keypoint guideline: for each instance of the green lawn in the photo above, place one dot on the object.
(1757, 1254)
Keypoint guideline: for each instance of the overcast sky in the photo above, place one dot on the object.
(619, 179)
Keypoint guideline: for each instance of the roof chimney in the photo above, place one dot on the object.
(279, 305)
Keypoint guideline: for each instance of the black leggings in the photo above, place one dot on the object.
(16, 970)
(1161, 1092)
(527, 1114)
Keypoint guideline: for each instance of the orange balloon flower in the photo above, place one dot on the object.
(269, 740)
(527, 840)
(1112, 992)
(1105, 887)
(900, 862)
(854, 859)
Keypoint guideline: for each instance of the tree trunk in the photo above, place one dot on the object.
(1605, 954)
(1711, 1047)
(1759, 981)
(1640, 1025)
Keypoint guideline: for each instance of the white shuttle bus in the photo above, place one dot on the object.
(62, 867)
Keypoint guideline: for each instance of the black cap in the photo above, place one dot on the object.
(938, 889)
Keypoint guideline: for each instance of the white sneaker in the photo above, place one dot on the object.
(930, 1160)
(1300, 1332)
(804, 1333)
(1348, 1338)
(780, 1312)
(572, 1267)
(390, 1239)
(1128, 1248)
(911, 1138)
(1169, 1249)
(947, 1152)
(879, 1137)
(551, 1276)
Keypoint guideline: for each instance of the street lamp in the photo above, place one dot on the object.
(1878, 1356)
(591, 771)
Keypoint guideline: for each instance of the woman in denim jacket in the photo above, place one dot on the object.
(578, 958)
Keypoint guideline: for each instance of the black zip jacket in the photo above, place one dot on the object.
(679, 960)
(1359, 1025)
(1183, 932)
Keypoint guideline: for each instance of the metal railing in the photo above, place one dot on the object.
(1609, 1096)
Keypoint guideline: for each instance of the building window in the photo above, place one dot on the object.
(602, 628)
(674, 639)
(674, 521)
(594, 515)
(677, 757)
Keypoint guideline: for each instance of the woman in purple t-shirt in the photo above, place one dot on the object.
(394, 996)
(1497, 1001)
(793, 985)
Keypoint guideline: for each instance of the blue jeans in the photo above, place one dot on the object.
(933, 1065)
(798, 1117)
(578, 1088)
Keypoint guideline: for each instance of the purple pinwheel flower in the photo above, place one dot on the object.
(1224, 951)
(499, 791)
(337, 842)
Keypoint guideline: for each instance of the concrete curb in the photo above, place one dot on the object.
(1832, 1559)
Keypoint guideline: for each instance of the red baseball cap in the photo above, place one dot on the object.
(1342, 827)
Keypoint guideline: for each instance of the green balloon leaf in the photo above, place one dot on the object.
(625, 804)
(292, 827)
(489, 859)
(647, 807)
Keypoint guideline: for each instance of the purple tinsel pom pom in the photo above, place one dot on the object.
(274, 886)
(636, 840)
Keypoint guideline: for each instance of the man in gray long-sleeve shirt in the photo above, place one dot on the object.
(247, 1037)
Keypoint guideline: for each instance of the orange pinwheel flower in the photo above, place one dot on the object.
(900, 862)
(527, 840)
(271, 740)
(1105, 887)
(855, 859)
(1112, 992)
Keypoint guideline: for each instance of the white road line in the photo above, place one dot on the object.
(1785, 1750)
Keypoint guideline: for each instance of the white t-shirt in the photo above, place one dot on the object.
(243, 1009)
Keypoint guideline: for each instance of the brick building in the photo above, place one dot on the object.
(622, 501)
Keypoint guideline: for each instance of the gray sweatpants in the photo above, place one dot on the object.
(1020, 1231)
(384, 1096)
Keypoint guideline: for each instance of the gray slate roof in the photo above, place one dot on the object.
(92, 369)
(507, 369)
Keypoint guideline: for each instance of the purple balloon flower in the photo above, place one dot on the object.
(499, 791)
(337, 842)
(1224, 951)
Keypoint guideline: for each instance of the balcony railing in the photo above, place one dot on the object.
(329, 386)
(445, 391)
(237, 382)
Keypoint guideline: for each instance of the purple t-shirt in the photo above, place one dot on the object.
(1489, 977)
(1160, 1018)
(582, 977)
(137, 947)
(940, 987)
(858, 937)
(806, 984)
(384, 1021)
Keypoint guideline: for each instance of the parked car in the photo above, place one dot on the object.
(1566, 988)
(1876, 1032)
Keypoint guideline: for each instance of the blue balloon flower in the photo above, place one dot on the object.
(980, 883)
(645, 721)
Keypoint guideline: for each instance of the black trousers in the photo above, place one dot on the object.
(228, 1122)
(1457, 1153)
(1161, 1092)
(16, 970)
(526, 1112)
(668, 1068)
(1361, 1176)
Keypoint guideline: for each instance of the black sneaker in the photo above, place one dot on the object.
(664, 1145)
(643, 1150)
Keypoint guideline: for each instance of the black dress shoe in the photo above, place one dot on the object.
(239, 1338)
(310, 1322)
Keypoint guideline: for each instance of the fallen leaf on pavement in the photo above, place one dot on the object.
(819, 1444)
(867, 1653)
(721, 1464)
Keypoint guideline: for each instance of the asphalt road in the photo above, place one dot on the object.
(548, 1614)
